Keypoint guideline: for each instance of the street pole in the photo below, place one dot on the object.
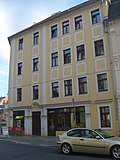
(74, 112)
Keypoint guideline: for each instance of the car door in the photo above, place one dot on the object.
(73, 137)
(90, 144)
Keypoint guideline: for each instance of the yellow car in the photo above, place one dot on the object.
(94, 141)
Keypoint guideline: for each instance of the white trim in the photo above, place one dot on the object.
(76, 52)
(18, 87)
(99, 121)
(21, 50)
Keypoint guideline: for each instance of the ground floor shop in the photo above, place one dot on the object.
(52, 120)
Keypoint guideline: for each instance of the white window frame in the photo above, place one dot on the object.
(99, 118)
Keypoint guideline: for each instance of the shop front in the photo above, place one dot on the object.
(62, 119)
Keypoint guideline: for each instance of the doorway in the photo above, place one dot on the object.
(36, 123)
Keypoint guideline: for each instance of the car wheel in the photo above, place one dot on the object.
(115, 151)
(66, 148)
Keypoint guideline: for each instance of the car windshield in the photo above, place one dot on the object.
(103, 133)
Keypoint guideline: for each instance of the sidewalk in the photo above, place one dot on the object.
(32, 140)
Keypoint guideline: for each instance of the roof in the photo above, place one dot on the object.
(56, 15)
(114, 10)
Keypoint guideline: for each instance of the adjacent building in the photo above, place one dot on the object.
(61, 74)
(113, 29)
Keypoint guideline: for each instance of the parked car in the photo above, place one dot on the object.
(94, 141)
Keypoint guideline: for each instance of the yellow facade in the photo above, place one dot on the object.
(90, 67)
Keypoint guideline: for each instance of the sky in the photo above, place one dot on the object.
(16, 15)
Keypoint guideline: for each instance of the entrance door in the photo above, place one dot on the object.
(36, 123)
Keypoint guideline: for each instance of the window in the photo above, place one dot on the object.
(80, 52)
(54, 31)
(35, 92)
(67, 56)
(65, 27)
(35, 64)
(20, 46)
(19, 94)
(78, 22)
(99, 48)
(82, 85)
(54, 59)
(19, 68)
(68, 87)
(102, 82)
(36, 38)
(95, 15)
(55, 89)
(105, 116)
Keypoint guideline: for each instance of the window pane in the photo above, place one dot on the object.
(19, 94)
(35, 64)
(99, 48)
(95, 15)
(54, 59)
(78, 22)
(36, 38)
(35, 92)
(102, 82)
(54, 31)
(55, 89)
(105, 116)
(68, 87)
(80, 52)
(67, 56)
(65, 27)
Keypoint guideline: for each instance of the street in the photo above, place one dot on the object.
(15, 151)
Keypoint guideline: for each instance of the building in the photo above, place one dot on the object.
(60, 73)
(113, 29)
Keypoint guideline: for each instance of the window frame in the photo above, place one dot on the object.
(110, 117)
(95, 17)
(67, 56)
(68, 88)
(19, 69)
(54, 59)
(54, 31)
(36, 38)
(35, 64)
(65, 27)
(35, 92)
(20, 44)
(99, 48)
(84, 85)
(78, 21)
(19, 94)
(79, 53)
(103, 82)
(55, 89)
